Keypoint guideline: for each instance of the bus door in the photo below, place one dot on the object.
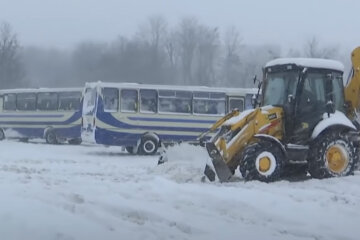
(89, 113)
(235, 102)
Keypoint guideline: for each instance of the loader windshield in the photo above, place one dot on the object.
(278, 86)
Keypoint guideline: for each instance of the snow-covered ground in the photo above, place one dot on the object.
(67, 192)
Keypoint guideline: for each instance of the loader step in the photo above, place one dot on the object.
(222, 170)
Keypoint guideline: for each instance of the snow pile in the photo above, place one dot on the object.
(308, 62)
(63, 192)
(186, 163)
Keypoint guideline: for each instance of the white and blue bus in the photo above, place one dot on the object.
(49, 113)
(139, 116)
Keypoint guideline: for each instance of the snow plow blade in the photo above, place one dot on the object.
(222, 170)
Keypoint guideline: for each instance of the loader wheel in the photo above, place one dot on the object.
(148, 145)
(332, 155)
(262, 161)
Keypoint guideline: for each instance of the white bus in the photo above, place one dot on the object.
(139, 116)
(50, 113)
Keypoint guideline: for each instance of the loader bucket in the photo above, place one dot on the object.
(222, 170)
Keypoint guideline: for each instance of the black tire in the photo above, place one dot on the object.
(148, 145)
(323, 159)
(250, 167)
(51, 137)
(2, 135)
(75, 141)
(130, 149)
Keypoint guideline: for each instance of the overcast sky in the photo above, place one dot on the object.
(289, 23)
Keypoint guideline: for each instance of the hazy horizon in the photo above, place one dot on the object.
(63, 24)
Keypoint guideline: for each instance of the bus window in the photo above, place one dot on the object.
(175, 101)
(129, 100)
(236, 103)
(47, 101)
(209, 103)
(26, 101)
(148, 101)
(69, 101)
(111, 99)
(249, 100)
(10, 102)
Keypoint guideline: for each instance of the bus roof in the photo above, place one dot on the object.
(170, 87)
(36, 90)
(308, 62)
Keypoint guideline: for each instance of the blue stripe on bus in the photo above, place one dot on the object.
(29, 116)
(76, 116)
(108, 137)
(116, 123)
(171, 120)
(67, 132)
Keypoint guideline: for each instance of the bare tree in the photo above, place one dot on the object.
(312, 50)
(232, 64)
(153, 35)
(208, 42)
(11, 68)
(187, 37)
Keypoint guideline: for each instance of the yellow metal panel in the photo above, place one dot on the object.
(352, 90)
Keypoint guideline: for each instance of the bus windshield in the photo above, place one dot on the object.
(278, 86)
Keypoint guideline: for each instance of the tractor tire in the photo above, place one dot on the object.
(51, 137)
(262, 161)
(2, 135)
(148, 145)
(332, 155)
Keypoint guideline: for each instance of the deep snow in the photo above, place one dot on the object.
(93, 192)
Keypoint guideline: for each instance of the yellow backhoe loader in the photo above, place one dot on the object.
(305, 122)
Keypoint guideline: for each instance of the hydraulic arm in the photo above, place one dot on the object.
(352, 89)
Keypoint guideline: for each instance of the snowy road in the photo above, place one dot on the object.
(92, 192)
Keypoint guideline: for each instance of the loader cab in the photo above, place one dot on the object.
(305, 89)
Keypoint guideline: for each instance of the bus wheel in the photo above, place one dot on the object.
(50, 137)
(148, 145)
(75, 141)
(2, 135)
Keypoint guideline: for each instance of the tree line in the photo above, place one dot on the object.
(189, 53)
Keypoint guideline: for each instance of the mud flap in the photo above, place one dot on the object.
(222, 170)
